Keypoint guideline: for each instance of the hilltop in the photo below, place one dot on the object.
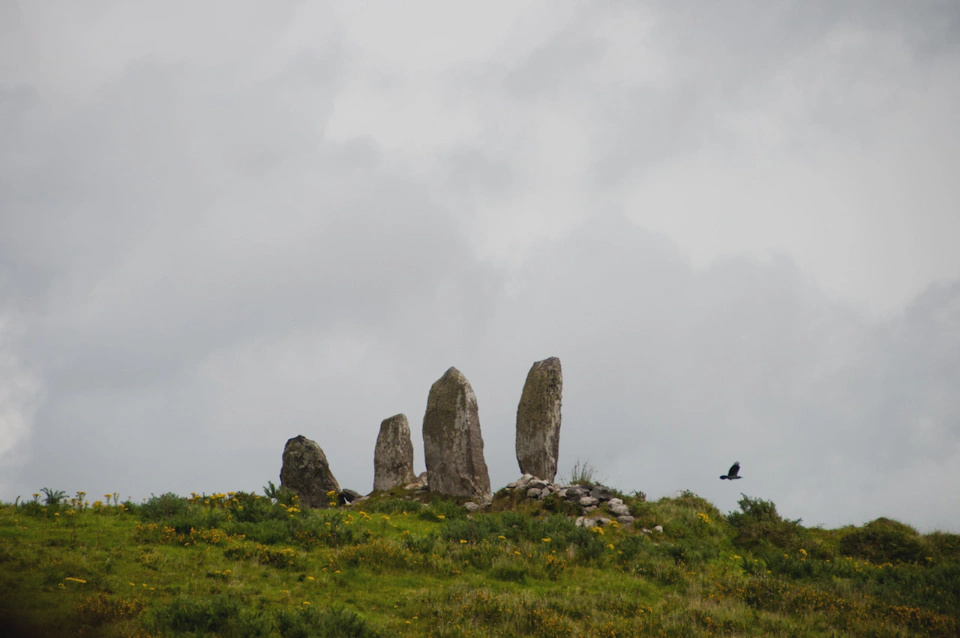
(242, 564)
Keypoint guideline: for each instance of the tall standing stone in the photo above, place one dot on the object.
(306, 471)
(538, 420)
(452, 444)
(393, 456)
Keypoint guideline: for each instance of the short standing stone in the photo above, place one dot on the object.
(538, 420)
(393, 457)
(453, 445)
(306, 471)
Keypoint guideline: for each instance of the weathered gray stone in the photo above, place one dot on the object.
(602, 493)
(306, 471)
(471, 506)
(534, 492)
(614, 501)
(453, 445)
(625, 520)
(524, 480)
(602, 520)
(587, 501)
(393, 456)
(619, 510)
(658, 528)
(538, 419)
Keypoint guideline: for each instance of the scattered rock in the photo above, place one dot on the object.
(619, 510)
(625, 520)
(393, 456)
(587, 501)
(534, 492)
(601, 520)
(306, 471)
(538, 419)
(453, 445)
(471, 506)
(658, 528)
(601, 493)
(524, 480)
(614, 501)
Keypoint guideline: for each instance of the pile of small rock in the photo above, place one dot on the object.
(590, 497)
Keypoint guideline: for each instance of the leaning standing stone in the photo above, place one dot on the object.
(538, 420)
(393, 457)
(452, 444)
(306, 471)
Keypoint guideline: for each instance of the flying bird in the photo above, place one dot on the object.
(734, 471)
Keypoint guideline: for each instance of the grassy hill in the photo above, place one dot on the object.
(240, 564)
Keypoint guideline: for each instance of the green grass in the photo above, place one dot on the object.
(244, 565)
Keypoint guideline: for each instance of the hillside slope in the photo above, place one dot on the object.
(245, 565)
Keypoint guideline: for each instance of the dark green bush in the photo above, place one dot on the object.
(196, 517)
(251, 508)
(758, 523)
(164, 507)
(882, 541)
(309, 622)
(943, 547)
(216, 614)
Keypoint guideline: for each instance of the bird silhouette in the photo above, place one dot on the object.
(734, 471)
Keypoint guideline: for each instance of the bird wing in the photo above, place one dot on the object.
(734, 469)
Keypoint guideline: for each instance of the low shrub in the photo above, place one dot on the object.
(884, 540)
(164, 507)
(758, 523)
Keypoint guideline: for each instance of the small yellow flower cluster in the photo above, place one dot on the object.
(703, 518)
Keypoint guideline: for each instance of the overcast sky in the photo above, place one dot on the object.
(224, 224)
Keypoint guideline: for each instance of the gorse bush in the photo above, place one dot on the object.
(163, 507)
(884, 540)
(759, 523)
(335, 622)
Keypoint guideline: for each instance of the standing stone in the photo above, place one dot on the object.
(306, 471)
(538, 420)
(393, 457)
(452, 444)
